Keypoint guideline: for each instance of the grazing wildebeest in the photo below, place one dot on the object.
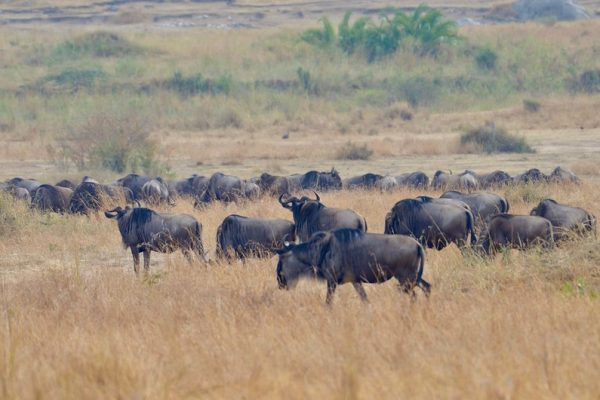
(413, 179)
(562, 175)
(144, 230)
(493, 179)
(221, 187)
(351, 255)
(250, 190)
(564, 218)
(155, 191)
(66, 183)
(29, 184)
(442, 180)
(316, 180)
(273, 184)
(515, 231)
(252, 237)
(532, 175)
(17, 193)
(483, 205)
(134, 182)
(432, 222)
(89, 196)
(312, 216)
(183, 187)
(365, 181)
(387, 184)
(199, 186)
(52, 198)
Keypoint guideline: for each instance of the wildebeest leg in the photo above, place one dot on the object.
(136, 258)
(361, 291)
(146, 260)
(408, 288)
(331, 285)
(188, 255)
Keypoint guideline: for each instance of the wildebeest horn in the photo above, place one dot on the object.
(317, 196)
(138, 203)
(281, 198)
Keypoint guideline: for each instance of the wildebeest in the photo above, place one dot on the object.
(387, 184)
(182, 187)
(247, 237)
(443, 180)
(515, 231)
(199, 186)
(493, 179)
(29, 184)
(365, 181)
(273, 184)
(221, 187)
(89, 196)
(315, 180)
(433, 224)
(155, 191)
(564, 218)
(413, 179)
(66, 183)
(351, 255)
(562, 175)
(52, 198)
(17, 193)
(532, 175)
(134, 182)
(144, 230)
(312, 216)
(483, 205)
(250, 190)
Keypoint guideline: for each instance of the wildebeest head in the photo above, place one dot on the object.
(117, 213)
(301, 260)
(300, 205)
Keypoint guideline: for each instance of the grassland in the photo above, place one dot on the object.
(76, 323)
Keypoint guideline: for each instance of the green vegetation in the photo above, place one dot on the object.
(486, 59)
(353, 151)
(491, 139)
(425, 28)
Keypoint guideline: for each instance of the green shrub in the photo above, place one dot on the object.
(589, 81)
(418, 91)
(352, 151)
(486, 59)
(97, 44)
(196, 84)
(352, 37)
(490, 139)
(75, 78)
(321, 37)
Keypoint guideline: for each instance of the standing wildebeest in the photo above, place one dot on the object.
(532, 175)
(144, 230)
(351, 255)
(493, 179)
(442, 180)
(248, 237)
(565, 218)
(515, 231)
(413, 179)
(562, 175)
(90, 196)
(17, 193)
(183, 187)
(483, 205)
(273, 184)
(134, 182)
(316, 180)
(155, 191)
(432, 222)
(66, 183)
(387, 184)
(29, 184)
(312, 216)
(52, 198)
(366, 181)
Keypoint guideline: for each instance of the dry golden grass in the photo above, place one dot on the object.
(77, 323)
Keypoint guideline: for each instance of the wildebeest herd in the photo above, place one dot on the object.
(322, 242)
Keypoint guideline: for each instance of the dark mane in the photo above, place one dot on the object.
(140, 215)
(347, 235)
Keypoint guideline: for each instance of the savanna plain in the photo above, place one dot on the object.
(133, 95)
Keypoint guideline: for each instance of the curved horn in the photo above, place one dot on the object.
(138, 203)
(281, 198)
(317, 196)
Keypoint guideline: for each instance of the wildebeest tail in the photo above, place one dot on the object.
(505, 205)
(220, 250)
(471, 227)
(423, 284)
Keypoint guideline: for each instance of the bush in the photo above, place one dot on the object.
(486, 59)
(352, 151)
(196, 84)
(97, 44)
(418, 91)
(490, 139)
(324, 37)
(74, 78)
(589, 81)
(531, 105)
